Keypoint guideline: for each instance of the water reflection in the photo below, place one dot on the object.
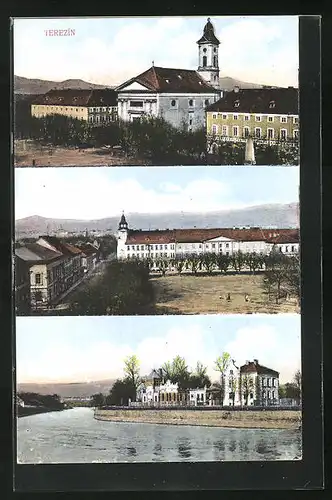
(184, 448)
(74, 436)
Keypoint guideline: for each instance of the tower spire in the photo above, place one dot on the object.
(208, 63)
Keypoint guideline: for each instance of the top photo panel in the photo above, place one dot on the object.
(156, 91)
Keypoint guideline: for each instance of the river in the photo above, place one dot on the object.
(74, 436)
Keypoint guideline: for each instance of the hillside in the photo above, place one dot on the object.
(277, 215)
(36, 86)
(24, 85)
(66, 390)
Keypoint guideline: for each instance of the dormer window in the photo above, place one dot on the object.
(236, 104)
(272, 104)
(200, 83)
(180, 77)
(167, 81)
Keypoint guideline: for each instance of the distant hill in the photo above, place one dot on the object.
(36, 86)
(228, 83)
(78, 389)
(277, 215)
(24, 85)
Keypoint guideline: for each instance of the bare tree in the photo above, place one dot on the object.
(247, 386)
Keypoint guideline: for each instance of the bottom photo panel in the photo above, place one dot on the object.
(158, 389)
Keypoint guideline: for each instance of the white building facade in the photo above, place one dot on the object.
(170, 244)
(179, 96)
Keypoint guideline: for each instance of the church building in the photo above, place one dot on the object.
(180, 96)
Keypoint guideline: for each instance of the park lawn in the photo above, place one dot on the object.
(64, 157)
(188, 294)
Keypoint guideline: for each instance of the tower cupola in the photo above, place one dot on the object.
(208, 59)
(123, 224)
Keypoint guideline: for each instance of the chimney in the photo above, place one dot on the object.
(256, 361)
(236, 88)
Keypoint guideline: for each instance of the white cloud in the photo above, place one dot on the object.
(90, 193)
(276, 350)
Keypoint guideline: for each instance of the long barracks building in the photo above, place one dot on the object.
(170, 243)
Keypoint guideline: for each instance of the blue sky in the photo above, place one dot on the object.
(93, 348)
(111, 50)
(92, 193)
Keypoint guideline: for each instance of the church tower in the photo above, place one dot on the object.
(208, 60)
(122, 237)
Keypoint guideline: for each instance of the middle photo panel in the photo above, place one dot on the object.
(156, 241)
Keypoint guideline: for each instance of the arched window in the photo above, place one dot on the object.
(204, 50)
(173, 102)
(204, 61)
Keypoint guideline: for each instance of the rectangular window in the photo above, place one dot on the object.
(247, 118)
(142, 247)
(235, 117)
(38, 279)
(165, 246)
(214, 129)
(224, 116)
(133, 247)
(296, 134)
(227, 245)
(270, 133)
(224, 130)
(235, 131)
(258, 132)
(270, 119)
(283, 119)
(295, 120)
(214, 116)
(136, 104)
(137, 247)
(246, 131)
(258, 118)
(283, 134)
(213, 245)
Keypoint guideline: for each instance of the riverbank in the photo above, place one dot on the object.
(284, 419)
(25, 411)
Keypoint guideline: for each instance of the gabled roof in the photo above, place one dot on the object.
(34, 253)
(88, 249)
(208, 34)
(267, 101)
(78, 97)
(163, 80)
(65, 248)
(255, 367)
(202, 235)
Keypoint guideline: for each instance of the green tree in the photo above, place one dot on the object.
(223, 262)
(238, 261)
(178, 262)
(98, 400)
(163, 264)
(121, 392)
(208, 261)
(132, 371)
(193, 262)
(221, 364)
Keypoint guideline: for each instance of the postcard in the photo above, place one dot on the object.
(156, 91)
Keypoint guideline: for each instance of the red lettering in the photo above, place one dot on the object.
(62, 32)
(56, 32)
(72, 32)
(50, 33)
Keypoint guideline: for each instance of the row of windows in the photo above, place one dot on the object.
(150, 247)
(269, 382)
(287, 250)
(271, 133)
(258, 118)
(100, 110)
(191, 103)
(102, 118)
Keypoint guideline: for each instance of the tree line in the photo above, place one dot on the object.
(50, 401)
(178, 372)
(152, 139)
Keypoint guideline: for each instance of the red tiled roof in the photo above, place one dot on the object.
(64, 248)
(159, 79)
(253, 367)
(200, 235)
(78, 97)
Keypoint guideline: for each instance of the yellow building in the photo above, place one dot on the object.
(97, 106)
(266, 115)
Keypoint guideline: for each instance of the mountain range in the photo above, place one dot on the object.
(67, 390)
(268, 215)
(36, 86)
